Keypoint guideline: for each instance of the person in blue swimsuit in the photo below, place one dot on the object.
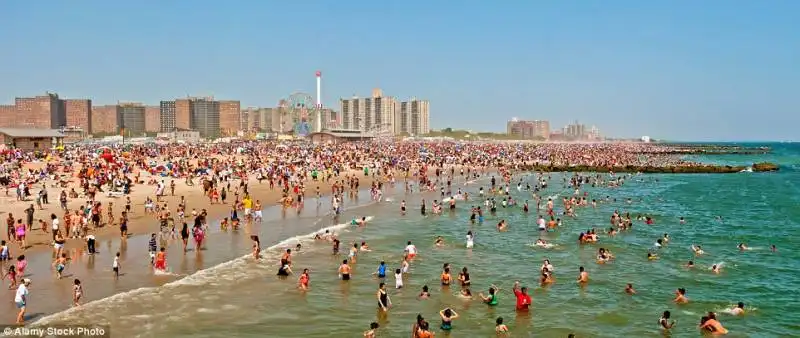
(448, 315)
(382, 270)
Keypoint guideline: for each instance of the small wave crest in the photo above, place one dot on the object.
(230, 270)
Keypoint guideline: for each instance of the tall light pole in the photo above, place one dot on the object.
(318, 122)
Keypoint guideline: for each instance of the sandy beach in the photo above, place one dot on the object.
(39, 250)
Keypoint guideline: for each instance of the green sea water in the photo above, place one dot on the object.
(245, 299)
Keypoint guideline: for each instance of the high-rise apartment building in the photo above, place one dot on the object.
(203, 114)
(253, 119)
(413, 117)
(152, 119)
(532, 129)
(368, 114)
(183, 114)
(204, 117)
(79, 114)
(8, 113)
(166, 116)
(104, 120)
(47, 112)
(131, 118)
(229, 117)
(41, 112)
(576, 131)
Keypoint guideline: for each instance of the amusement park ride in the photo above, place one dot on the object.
(300, 114)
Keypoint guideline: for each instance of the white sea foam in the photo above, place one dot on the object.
(227, 271)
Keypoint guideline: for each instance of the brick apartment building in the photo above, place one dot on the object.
(47, 112)
(104, 120)
(152, 119)
(8, 113)
(41, 112)
(79, 114)
(229, 117)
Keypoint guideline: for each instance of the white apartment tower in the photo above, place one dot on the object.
(385, 114)
(413, 117)
(376, 113)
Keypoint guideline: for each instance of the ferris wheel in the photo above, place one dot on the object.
(298, 114)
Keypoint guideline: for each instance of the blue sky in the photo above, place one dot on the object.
(689, 70)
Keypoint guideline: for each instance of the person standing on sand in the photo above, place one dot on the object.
(21, 300)
(77, 292)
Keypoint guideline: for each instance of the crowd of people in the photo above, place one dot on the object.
(105, 190)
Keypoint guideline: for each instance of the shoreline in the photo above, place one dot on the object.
(39, 252)
(137, 274)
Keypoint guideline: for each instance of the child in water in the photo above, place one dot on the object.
(77, 292)
(60, 265)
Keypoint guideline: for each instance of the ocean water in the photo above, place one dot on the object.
(234, 296)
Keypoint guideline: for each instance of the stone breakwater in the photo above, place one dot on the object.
(669, 169)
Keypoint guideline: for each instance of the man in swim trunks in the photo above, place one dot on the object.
(411, 250)
(344, 270)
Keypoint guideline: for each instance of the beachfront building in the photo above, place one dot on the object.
(528, 130)
(381, 114)
(210, 117)
(369, 113)
(413, 117)
(30, 139)
(130, 119)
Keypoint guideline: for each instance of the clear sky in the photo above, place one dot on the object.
(688, 70)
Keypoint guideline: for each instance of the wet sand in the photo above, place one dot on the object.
(51, 295)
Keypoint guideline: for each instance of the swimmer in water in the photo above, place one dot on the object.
(651, 256)
(583, 276)
(371, 332)
(680, 296)
(665, 323)
(465, 294)
(716, 268)
(698, 250)
(439, 241)
(499, 327)
(742, 247)
(304, 280)
(629, 289)
(470, 240)
(711, 324)
(425, 294)
(344, 271)
(738, 310)
(690, 264)
(491, 298)
(502, 226)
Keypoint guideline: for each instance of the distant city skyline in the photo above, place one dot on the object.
(672, 70)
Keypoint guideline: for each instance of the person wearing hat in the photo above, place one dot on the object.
(21, 299)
